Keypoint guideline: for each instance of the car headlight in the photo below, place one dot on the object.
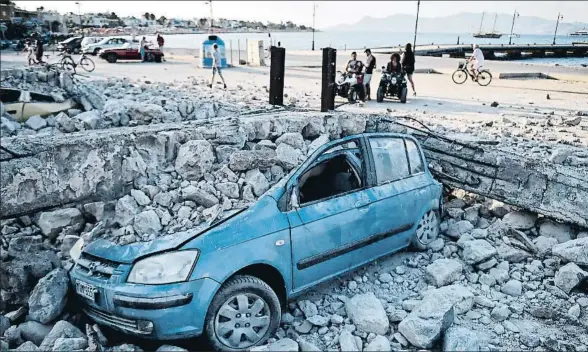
(76, 250)
(164, 268)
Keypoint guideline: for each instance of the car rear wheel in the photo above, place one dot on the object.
(427, 230)
(112, 57)
(244, 313)
(149, 57)
(96, 51)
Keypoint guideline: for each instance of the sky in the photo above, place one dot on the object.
(328, 13)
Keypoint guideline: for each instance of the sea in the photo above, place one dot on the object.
(364, 39)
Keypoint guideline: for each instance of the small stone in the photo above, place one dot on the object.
(367, 313)
(500, 312)
(520, 220)
(443, 272)
(574, 311)
(569, 276)
(513, 288)
(36, 122)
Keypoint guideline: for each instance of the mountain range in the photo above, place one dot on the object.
(466, 22)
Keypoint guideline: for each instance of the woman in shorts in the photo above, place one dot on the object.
(407, 62)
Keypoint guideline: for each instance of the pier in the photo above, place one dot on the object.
(497, 51)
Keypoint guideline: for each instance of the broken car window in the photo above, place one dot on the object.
(389, 159)
(414, 157)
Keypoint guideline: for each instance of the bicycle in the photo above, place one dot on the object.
(68, 63)
(461, 75)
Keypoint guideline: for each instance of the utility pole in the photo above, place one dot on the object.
(211, 18)
(514, 16)
(79, 16)
(416, 25)
(559, 17)
(314, 6)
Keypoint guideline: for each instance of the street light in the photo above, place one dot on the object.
(210, 3)
(516, 14)
(559, 17)
(314, 6)
(79, 16)
(416, 24)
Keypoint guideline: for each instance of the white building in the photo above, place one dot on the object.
(132, 21)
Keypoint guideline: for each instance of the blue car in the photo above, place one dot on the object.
(352, 201)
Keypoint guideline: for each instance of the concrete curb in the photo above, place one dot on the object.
(516, 75)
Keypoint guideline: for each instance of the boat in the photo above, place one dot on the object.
(492, 35)
(24, 104)
(580, 33)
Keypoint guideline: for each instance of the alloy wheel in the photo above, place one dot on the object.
(242, 320)
(428, 228)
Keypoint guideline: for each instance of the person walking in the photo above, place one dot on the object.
(407, 62)
(216, 66)
(39, 50)
(142, 44)
(370, 63)
(160, 42)
(29, 49)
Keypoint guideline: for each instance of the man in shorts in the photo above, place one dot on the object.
(477, 61)
(216, 66)
(370, 64)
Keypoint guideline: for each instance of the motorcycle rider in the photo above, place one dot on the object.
(354, 65)
(369, 68)
(394, 65)
(477, 61)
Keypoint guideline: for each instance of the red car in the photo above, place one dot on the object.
(130, 52)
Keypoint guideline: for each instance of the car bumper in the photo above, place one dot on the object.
(160, 312)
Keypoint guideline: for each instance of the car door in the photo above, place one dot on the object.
(326, 232)
(397, 194)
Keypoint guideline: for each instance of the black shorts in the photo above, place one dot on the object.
(409, 70)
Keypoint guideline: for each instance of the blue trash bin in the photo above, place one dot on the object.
(207, 50)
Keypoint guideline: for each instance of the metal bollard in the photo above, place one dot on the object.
(276, 89)
(328, 79)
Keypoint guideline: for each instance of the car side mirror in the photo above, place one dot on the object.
(294, 202)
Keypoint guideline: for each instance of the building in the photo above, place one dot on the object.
(131, 21)
(7, 11)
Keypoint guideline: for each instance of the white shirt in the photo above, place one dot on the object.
(479, 57)
(216, 58)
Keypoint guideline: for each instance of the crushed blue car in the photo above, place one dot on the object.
(352, 201)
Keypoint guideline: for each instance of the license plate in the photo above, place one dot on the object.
(85, 290)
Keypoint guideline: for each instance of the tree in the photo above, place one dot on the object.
(162, 20)
(146, 15)
(203, 22)
(112, 16)
(152, 17)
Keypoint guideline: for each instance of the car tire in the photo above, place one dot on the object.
(158, 58)
(96, 51)
(427, 230)
(149, 57)
(351, 95)
(380, 95)
(112, 57)
(231, 297)
(403, 93)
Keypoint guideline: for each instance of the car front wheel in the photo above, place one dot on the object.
(244, 313)
(112, 57)
(427, 230)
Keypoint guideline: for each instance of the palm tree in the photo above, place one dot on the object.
(146, 15)
(162, 20)
(152, 17)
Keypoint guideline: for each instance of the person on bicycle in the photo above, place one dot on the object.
(354, 65)
(477, 61)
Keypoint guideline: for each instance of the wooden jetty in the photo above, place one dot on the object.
(497, 51)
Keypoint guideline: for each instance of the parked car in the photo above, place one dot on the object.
(22, 104)
(73, 44)
(105, 43)
(352, 201)
(90, 40)
(130, 51)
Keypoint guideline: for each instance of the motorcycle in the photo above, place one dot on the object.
(392, 84)
(350, 86)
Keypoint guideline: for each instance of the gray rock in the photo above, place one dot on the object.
(461, 297)
(511, 254)
(513, 288)
(8, 127)
(457, 229)
(520, 220)
(321, 140)
(34, 331)
(437, 245)
(294, 140)
(559, 231)
(308, 308)
(125, 347)
(458, 338)
(66, 344)
(347, 342)
(559, 155)
(147, 223)
(170, 348)
(91, 119)
(425, 325)
(195, 158)
(477, 251)
(200, 196)
(318, 320)
(288, 157)
(61, 329)
(500, 312)
(283, 345)
(508, 325)
(28, 346)
(386, 277)
(569, 276)
(379, 343)
(575, 251)
(4, 324)
(12, 336)
(500, 273)
(229, 189)
(443, 272)
(36, 122)
(67, 243)
(243, 160)
(306, 346)
(575, 311)
(51, 223)
(544, 245)
(49, 297)
(530, 339)
(125, 210)
(257, 181)
(140, 197)
(487, 264)
(367, 313)
(303, 327)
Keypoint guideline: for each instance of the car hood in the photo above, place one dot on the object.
(131, 252)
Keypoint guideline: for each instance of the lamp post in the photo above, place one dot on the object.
(79, 15)
(514, 16)
(210, 3)
(416, 25)
(559, 17)
(314, 6)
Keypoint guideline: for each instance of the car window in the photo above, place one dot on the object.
(339, 171)
(414, 157)
(389, 159)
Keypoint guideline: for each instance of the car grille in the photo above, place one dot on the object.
(113, 320)
(96, 267)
